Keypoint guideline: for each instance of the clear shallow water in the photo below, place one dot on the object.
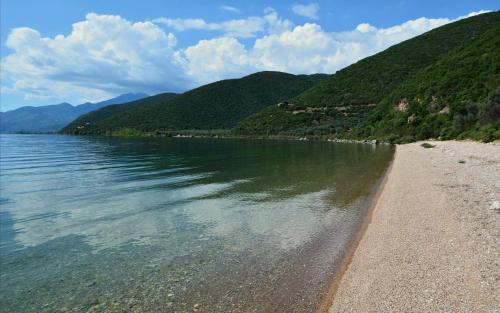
(177, 225)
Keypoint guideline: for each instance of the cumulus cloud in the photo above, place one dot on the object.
(105, 55)
(237, 28)
(228, 58)
(307, 10)
(229, 8)
(305, 49)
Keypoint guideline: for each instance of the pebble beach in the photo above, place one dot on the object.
(432, 244)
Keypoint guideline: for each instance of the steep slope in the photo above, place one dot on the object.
(343, 101)
(51, 118)
(86, 123)
(458, 94)
(218, 105)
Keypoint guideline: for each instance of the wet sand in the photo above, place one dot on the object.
(432, 244)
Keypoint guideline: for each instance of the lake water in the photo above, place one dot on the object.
(177, 225)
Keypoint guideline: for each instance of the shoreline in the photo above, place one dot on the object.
(329, 297)
(429, 241)
(322, 138)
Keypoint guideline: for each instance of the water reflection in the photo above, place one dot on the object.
(159, 209)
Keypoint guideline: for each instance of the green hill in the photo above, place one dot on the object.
(457, 96)
(218, 105)
(87, 123)
(359, 100)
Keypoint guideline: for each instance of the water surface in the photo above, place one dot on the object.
(177, 225)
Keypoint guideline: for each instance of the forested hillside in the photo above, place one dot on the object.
(218, 105)
(457, 96)
(86, 123)
(454, 65)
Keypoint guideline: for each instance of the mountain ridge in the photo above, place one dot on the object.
(218, 105)
(51, 118)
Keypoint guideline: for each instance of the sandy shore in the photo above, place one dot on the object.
(433, 244)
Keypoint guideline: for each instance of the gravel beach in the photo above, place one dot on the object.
(433, 242)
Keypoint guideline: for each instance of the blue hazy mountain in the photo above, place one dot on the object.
(51, 118)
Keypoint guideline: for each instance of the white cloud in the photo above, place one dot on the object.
(304, 49)
(238, 28)
(365, 28)
(215, 59)
(307, 10)
(105, 55)
(473, 13)
(275, 24)
(230, 9)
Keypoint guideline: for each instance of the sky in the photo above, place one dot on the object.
(55, 51)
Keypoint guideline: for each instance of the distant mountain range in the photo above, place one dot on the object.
(219, 105)
(51, 118)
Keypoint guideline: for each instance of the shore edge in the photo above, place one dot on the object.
(329, 297)
(430, 240)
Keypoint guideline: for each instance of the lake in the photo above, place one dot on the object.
(178, 225)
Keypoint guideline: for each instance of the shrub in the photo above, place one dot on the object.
(427, 145)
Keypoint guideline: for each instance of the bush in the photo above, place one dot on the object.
(489, 111)
(427, 145)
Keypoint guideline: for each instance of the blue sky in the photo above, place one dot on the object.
(154, 46)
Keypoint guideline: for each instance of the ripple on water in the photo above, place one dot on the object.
(166, 225)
